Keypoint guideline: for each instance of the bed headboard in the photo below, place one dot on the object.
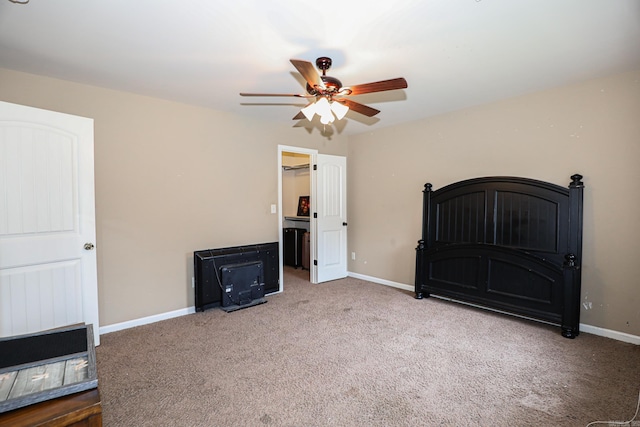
(506, 243)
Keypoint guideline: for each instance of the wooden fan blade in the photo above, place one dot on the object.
(299, 116)
(277, 94)
(358, 108)
(309, 72)
(391, 84)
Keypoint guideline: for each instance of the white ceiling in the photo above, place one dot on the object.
(453, 53)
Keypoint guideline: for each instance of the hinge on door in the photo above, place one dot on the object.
(315, 262)
(315, 167)
(315, 214)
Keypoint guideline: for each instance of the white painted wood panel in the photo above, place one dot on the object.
(37, 181)
(47, 214)
(39, 298)
(332, 215)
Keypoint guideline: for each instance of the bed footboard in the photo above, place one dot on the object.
(505, 243)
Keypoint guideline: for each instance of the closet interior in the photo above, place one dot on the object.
(296, 209)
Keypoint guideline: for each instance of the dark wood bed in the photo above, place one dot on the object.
(505, 243)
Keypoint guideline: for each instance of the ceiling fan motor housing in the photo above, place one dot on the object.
(332, 85)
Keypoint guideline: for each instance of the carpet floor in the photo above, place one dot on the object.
(355, 353)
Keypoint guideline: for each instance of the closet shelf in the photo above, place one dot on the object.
(295, 167)
(297, 218)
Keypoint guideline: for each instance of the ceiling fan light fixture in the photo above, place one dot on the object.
(322, 107)
(309, 111)
(339, 109)
(327, 119)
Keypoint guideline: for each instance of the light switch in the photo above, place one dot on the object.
(273, 209)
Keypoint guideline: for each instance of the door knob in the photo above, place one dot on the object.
(88, 246)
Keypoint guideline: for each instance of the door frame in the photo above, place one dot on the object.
(312, 153)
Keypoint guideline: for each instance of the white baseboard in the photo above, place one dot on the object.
(620, 336)
(382, 281)
(595, 330)
(146, 320)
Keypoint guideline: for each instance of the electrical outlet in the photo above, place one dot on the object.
(353, 256)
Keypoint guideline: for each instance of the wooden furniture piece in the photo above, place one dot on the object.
(50, 379)
(78, 410)
(505, 243)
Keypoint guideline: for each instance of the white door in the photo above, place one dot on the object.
(48, 273)
(331, 224)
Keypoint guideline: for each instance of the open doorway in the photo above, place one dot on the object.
(296, 204)
(323, 184)
(296, 212)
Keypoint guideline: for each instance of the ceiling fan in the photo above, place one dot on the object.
(328, 94)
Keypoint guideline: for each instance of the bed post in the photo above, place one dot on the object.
(573, 260)
(426, 238)
(576, 190)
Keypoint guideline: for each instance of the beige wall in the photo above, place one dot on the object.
(591, 128)
(170, 179)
